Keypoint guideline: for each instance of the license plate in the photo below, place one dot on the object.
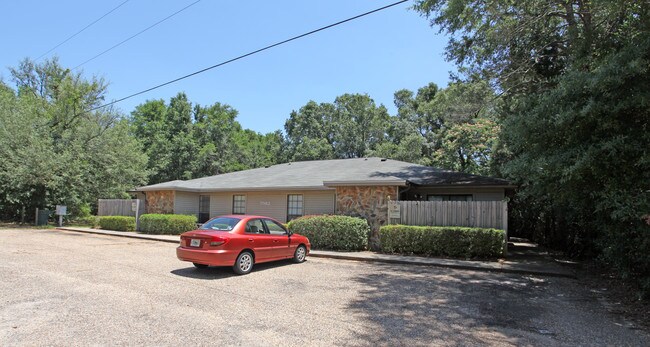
(195, 243)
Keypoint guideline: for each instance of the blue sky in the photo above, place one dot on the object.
(378, 54)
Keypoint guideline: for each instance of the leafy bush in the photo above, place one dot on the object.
(89, 221)
(117, 223)
(456, 242)
(82, 211)
(173, 224)
(627, 256)
(340, 233)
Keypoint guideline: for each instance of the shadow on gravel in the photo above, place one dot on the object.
(416, 306)
(220, 272)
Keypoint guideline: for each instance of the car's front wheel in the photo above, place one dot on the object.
(200, 266)
(244, 263)
(300, 254)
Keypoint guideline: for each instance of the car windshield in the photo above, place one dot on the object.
(221, 223)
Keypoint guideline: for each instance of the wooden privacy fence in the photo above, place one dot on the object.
(119, 207)
(481, 214)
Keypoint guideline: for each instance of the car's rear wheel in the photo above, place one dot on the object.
(244, 263)
(200, 266)
(300, 254)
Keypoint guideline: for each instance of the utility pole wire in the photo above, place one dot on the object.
(137, 34)
(248, 54)
(80, 31)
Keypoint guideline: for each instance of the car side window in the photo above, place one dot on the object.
(274, 227)
(255, 226)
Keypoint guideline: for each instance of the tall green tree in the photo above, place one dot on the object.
(451, 128)
(186, 141)
(360, 125)
(310, 132)
(55, 151)
(350, 127)
(573, 76)
(468, 147)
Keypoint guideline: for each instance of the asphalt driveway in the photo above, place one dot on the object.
(65, 288)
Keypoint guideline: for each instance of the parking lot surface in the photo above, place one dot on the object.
(65, 288)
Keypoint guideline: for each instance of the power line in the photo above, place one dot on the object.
(80, 31)
(142, 31)
(248, 54)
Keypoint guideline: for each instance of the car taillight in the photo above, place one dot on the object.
(217, 241)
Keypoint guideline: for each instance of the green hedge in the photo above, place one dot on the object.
(117, 223)
(173, 224)
(456, 242)
(89, 221)
(340, 233)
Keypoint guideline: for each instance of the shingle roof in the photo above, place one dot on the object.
(321, 174)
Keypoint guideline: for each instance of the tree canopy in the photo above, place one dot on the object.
(55, 152)
(185, 141)
(572, 79)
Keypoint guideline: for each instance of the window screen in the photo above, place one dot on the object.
(294, 206)
(204, 208)
(464, 197)
(238, 204)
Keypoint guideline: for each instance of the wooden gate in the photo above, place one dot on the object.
(119, 207)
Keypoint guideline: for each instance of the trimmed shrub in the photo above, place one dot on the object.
(89, 221)
(455, 242)
(339, 233)
(117, 223)
(172, 224)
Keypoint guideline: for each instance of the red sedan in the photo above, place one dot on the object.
(241, 241)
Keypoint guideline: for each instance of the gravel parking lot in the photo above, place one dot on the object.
(66, 288)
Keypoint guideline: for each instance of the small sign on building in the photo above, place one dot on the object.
(394, 210)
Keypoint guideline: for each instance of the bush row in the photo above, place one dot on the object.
(89, 221)
(172, 224)
(117, 223)
(339, 233)
(456, 242)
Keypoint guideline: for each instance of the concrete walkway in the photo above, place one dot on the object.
(524, 258)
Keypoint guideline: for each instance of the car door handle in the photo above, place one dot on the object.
(276, 241)
(250, 240)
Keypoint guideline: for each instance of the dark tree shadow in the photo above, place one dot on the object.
(420, 306)
(424, 175)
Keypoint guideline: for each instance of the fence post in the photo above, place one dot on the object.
(137, 214)
(505, 226)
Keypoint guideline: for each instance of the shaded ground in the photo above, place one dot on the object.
(62, 288)
(618, 296)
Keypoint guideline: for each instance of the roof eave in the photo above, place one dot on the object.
(400, 183)
(234, 189)
(464, 185)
